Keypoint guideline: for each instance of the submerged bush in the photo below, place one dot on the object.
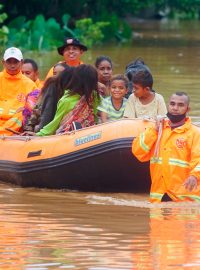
(117, 30)
(90, 33)
(37, 34)
(40, 34)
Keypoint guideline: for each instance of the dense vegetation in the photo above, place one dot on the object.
(42, 25)
(98, 9)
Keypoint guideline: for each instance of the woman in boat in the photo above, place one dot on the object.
(40, 109)
(104, 68)
(78, 104)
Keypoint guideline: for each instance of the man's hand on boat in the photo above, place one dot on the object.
(28, 133)
(25, 133)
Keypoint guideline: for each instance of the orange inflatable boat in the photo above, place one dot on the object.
(97, 159)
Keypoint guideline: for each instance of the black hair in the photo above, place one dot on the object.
(64, 79)
(62, 64)
(84, 81)
(102, 58)
(135, 66)
(119, 77)
(143, 78)
(138, 61)
(32, 62)
(59, 83)
(181, 93)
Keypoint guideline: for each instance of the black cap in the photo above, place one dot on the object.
(71, 41)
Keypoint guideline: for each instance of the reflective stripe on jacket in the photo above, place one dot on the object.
(178, 158)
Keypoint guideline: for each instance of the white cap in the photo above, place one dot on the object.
(13, 53)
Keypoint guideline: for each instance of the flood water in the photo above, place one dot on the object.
(50, 229)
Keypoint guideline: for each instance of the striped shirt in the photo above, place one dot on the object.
(108, 107)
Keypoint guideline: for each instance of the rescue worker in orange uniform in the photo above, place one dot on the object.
(173, 148)
(71, 50)
(14, 87)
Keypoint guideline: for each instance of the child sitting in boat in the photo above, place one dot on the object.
(144, 102)
(131, 69)
(104, 68)
(81, 95)
(112, 107)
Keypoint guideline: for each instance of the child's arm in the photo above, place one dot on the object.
(162, 109)
(129, 111)
(104, 117)
(103, 110)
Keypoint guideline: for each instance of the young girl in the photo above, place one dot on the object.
(80, 91)
(58, 68)
(144, 102)
(104, 68)
(112, 107)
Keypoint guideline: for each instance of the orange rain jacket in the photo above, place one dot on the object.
(13, 91)
(39, 83)
(177, 159)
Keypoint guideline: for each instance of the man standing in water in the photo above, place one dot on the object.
(173, 148)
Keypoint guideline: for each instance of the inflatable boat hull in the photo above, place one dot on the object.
(95, 159)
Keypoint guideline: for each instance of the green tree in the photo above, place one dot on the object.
(78, 9)
(37, 34)
(3, 28)
(181, 8)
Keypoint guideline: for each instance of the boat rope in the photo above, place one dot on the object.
(160, 118)
(18, 138)
(157, 146)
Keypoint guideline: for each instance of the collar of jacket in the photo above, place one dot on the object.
(180, 129)
(12, 77)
